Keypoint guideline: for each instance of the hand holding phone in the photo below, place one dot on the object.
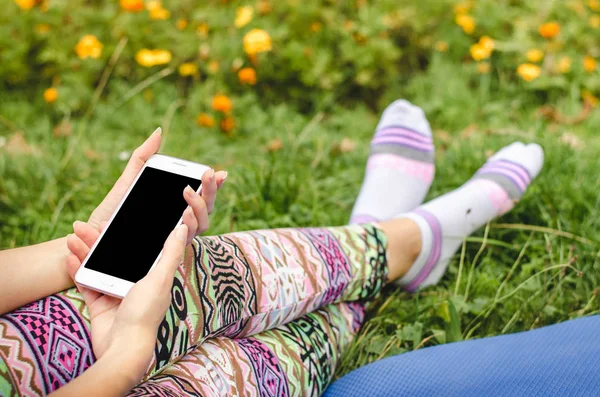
(131, 242)
(125, 330)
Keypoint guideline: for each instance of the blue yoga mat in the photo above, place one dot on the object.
(557, 360)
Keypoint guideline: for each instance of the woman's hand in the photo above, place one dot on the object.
(127, 328)
(195, 217)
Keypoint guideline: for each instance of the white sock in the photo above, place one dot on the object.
(447, 220)
(400, 168)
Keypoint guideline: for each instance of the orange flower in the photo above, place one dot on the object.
(243, 16)
(534, 55)
(466, 22)
(594, 5)
(188, 69)
(160, 14)
(462, 8)
(227, 124)
(264, 7)
(88, 46)
(214, 66)
(589, 64)
(132, 5)
(594, 21)
(181, 23)
(50, 95)
(316, 27)
(257, 40)
(487, 42)
(221, 103)
(205, 120)
(529, 71)
(247, 76)
(590, 98)
(549, 30)
(149, 58)
(25, 4)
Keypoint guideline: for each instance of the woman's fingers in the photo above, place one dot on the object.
(77, 247)
(172, 255)
(220, 177)
(73, 265)
(190, 220)
(209, 189)
(86, 232)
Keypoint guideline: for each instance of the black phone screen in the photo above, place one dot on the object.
(140, 228)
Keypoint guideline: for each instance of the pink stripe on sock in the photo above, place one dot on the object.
(403, 131)
(510, 174)
(517, 168)
(500, 200)
(418, 169)
(363, 218)
(434, 254)
(425, 147)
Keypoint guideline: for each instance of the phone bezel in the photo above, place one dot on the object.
(115, 286)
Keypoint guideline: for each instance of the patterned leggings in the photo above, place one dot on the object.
(300, 293)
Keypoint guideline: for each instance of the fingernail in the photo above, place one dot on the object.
(212, 175)
(189, 191)
(225, 176)
(158, 131)
(181, 232)
(75, 223)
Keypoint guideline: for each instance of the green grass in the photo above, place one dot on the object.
(541, 268)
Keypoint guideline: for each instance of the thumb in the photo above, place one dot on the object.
(172, 255)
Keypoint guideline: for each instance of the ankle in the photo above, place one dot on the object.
(404, 245)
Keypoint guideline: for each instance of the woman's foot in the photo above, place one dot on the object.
(447, 220)
(400, 168)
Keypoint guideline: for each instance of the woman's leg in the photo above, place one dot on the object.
(298, 358)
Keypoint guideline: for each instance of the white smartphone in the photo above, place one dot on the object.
(131, 243)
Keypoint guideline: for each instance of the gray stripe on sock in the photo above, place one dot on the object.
(403, 151)
(506, 184)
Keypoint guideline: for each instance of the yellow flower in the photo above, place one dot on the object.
(441, 46)
(159, 14)
(202, 30)
(529, 71)
(227, 124)
(589, 63)
(247, 76)
(132, 5)
(153, 5)
(594, 5)
(149, 58)
(50, 95)
(534, 55)
(181, 23)
(162, 57)
(25, 4)
(479, 52)
(42, 28)
(549, 30)
(257, 40)
(594, 21)
(88, 46)
(243, 16)
(564, 64)
(205, 120)
(483, 67)
(487, 42)
(188, 69)
(466, 22)
(221, 103)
